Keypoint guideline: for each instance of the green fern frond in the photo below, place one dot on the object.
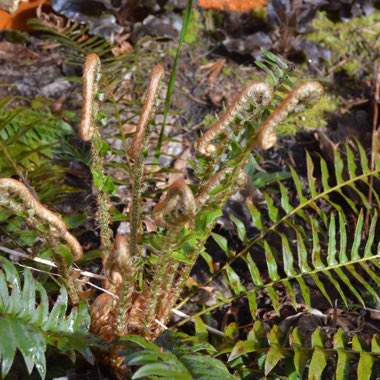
(335, 254)
(278, 69)
(310, 356)
(28, 137)
(172, 358)
(27, 325)
(315, 236)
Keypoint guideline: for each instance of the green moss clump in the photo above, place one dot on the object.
(209, 120)
(312, 118)
(355, 41)
(227, 70)
(194, 28)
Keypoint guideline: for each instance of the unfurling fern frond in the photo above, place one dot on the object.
(27, 325)
(173, 358)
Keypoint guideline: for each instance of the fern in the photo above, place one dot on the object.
(28, 136)
(185, 221)
(314, 355)
(302, 243)
(27, 324)
(173, 358)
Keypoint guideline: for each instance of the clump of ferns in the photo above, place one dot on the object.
(139, 296)
(184, 218)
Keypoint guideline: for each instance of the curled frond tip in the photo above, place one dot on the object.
(177, 207)
(147, 112)
(91, 76)
(305, 95)
(258, 94)
(16, 197)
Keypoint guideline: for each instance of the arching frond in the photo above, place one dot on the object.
(316, 239)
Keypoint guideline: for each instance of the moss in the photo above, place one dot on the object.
(259, 14)
(194, 28)
(227, 70)
(355, 41)
(209, 120)
(351, 67)
(311, 118)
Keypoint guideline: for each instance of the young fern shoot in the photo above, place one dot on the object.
(89, 131)
(138, 147)
(259, 94)
(175, 211)
(304, 95)
(17, 198)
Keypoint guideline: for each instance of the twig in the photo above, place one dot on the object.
(49, 263)
(209, 328)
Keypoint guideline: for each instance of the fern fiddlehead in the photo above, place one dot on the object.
(305, 95)
(178, 206)
(89, 131)
(91, 76)
(16, 197)
(258, 93)
(175, 211)
(138, 146)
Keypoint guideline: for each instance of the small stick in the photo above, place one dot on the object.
(83, 273)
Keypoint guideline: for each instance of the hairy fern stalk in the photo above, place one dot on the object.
(140, 295)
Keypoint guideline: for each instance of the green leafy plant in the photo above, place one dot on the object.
(174, 357)
(30, 136)
(307, 248)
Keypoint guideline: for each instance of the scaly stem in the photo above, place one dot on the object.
(174, 211)
(16, 197)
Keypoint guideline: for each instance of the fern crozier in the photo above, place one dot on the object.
(91, 76)
(304, 95)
